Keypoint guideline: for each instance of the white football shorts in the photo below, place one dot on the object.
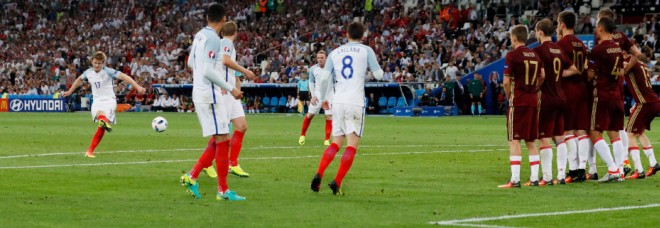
(347, 119)
(108, 107)
(212, 118)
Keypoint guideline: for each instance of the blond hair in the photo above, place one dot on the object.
(229, 28)
(99, 55)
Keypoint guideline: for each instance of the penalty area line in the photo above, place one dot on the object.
(470, 222)
(254, 158)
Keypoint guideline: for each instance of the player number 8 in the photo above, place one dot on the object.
(347, 64)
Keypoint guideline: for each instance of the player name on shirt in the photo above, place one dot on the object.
(529, 54)
(614, 50)
(348, 49)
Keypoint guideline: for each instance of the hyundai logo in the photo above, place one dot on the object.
(16, 105)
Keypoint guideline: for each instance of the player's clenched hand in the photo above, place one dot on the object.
(314, 100)
(326, 105)
(224, 92)
(237, 93)
(67, 93)
(250, 75)
(141, 90)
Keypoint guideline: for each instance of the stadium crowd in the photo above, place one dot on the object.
(425, 43)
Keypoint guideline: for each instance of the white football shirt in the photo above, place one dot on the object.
(204, 50)
(102, 83)
(349, 64)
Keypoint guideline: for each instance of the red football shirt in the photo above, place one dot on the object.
(606, 59)
(639, 84)
(574, 49)
(556, 62)
(524, 67)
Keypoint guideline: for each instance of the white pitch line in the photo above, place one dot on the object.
(248, 148)
(470, 222)
(255, 158)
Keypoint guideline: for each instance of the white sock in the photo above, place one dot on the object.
(546, 162)
(624, 139)
(534, 165)
(583, 151)
(605, 155)
(561, 161)
(619, 154)
(514, 161)
(572, 145)
(592, 158)
(634, 153)
(648, 151)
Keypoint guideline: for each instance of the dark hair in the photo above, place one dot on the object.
(215, 12)
(568, 18)
(545, 26)
(356, 30)
(608, 24)
(520, 32)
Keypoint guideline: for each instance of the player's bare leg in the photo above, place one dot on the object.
(515, 156)
(633, 149)
(648, 151)
(604, 151)
(240, 127)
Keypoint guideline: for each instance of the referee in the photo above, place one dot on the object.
(303, 92)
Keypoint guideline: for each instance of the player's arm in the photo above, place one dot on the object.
(135, 85)
(238, 83)
(325, 77)
(373, 64)
(506, 82)
(77, 83)
(571, 71)
(635, 54)
(311, 84)
(540, 79)
(210, 74)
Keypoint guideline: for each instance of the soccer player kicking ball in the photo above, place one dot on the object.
(207, 92)
(553, 103)
(576, 118)
(349, 63)
(647, 106)
(314, 89)
(605, 67)
(103, 109)
(523, 76)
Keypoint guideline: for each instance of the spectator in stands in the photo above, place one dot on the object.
(258, 106)
(374, 107)
(452, 70)
(291, 104)
(459, 94)
(387, 75)
(445, 98)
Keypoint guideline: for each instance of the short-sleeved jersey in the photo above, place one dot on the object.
(204, 50)
(523, 66)
(555, 62)
(639, 84)
(228, 74)
(349, 63)
(574, 49)
(314, 72)
(606, 60)
(619, 38)
(102, 82)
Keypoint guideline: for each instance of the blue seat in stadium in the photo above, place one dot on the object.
(382, 103)
(391, 102)
(401, 102)
(273, 104)
(266, 101)
(281, 106)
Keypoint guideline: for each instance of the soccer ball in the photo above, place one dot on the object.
(159, 124)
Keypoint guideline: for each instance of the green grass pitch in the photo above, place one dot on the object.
(408, 172)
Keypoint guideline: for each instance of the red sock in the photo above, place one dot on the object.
(327, 158)
(235, 148)
(306, 123)
(328, 129)
(204, 161)
(222, 164)
(345, 165)
(102, 117)
(96, 140)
